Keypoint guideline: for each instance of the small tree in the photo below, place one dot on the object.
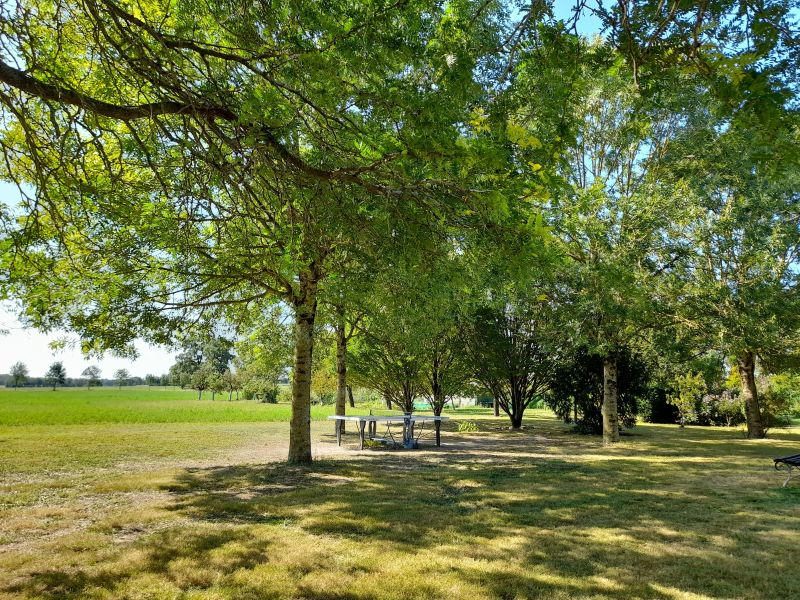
(229, 382)
(202, 379)
(19, 374)
(122, 376)
(511, 354)
(383, 364)
(56, 375)
(92, 375)
(216, 385)
(689, 389)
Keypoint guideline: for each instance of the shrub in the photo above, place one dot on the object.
(270, 395)
(654, 406)
(285, 394)
(724, 408)
(689, 388)
(260, 389)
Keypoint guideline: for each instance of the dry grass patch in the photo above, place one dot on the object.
(668, 514)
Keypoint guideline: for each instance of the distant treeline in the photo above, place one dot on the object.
(6, 380)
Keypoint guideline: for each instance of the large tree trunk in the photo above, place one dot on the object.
(305, 311)
(341, 367)
(496, 406)
(747, 368)
(350, 395)
(610, 415)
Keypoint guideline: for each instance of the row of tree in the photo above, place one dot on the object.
(56, 376)
(217, 165)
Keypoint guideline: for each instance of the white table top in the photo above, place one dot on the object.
(397, 418)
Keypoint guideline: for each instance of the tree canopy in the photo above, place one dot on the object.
(191, 165)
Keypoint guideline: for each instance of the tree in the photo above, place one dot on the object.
(511, 351)
(382, 362)
(233, 159)
(122, 376)
(689, 389)
(56, 375)
(186, 364)
(19, 374)
(216, 385)
(263, 350)
(737, 290)
(203, 379)
(603, 141)
(345, 327)
(577, 389)
(217, 352)
(92, 375)
(230, 382)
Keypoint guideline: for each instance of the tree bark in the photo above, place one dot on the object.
(610, 392)
(305, 312)
(341, 364)
(747, 368)
(438, 403)
(350, 396)
(496, 406)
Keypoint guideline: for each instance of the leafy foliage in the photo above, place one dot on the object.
(19, 374)
(56, 375)
(689, 389)
(577, 389)
(511, 352)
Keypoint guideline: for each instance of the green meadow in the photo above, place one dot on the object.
(152, 494)
(79, 406)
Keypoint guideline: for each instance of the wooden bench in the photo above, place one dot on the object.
(788, 464)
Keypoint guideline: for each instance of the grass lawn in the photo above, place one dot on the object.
(203, 508)
(37, 406)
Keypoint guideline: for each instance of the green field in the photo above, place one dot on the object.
(79, 406)
(197, 505)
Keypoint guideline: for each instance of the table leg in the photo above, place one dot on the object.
(437, 425)
(339, 432)
(361, 425)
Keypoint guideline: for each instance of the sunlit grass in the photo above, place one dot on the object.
(196, 511)
(78, 406)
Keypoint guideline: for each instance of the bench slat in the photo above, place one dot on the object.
(793, 460)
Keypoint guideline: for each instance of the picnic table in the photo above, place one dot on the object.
(408, 422)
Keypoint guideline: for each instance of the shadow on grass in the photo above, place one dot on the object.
(536, 514)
